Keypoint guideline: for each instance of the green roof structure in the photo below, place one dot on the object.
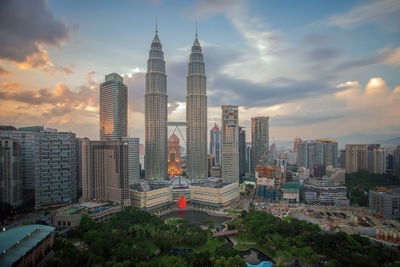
(16, 242)
(31, 129)
(291, 187)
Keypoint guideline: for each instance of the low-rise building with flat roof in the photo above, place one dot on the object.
(212, 193)
(25, 245)
(70, 216)
(151, 195)
(385, 202)
(324, 192)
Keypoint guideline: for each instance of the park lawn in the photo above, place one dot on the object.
(234, 212)
(244, 244)
(212, 244)
(174, 221)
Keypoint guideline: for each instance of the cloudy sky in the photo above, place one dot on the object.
(316, 68)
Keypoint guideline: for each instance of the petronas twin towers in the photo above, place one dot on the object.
(156, 104)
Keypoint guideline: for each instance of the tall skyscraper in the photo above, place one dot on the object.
(259, 141)
(174, 156)
(196, 115)
(156, 103)
(230, 144)
(133, 159)
(215, 144)
(356, 157)
(113, 108)
(105, 171)
(10, 172)
(242, 152)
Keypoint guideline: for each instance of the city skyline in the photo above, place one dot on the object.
(330, 73)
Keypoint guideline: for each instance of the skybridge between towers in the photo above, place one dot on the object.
(178, 124)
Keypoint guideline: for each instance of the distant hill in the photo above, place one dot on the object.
(369, 138)
(391, 142)
(386, 140)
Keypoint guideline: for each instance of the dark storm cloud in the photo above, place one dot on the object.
(26, 24)
(229, 90)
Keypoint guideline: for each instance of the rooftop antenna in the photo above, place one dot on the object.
(196, 30)
(156, 25)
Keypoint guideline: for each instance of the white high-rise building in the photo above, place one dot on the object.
(133, 159)
(230, 144)
(113, 108)
(196, 115)
(156, 103)
(215, 144)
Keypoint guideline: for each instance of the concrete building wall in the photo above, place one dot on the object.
(214, 196)
(105, 171)
(151, 199)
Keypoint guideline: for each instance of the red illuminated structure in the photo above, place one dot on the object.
(182, 202)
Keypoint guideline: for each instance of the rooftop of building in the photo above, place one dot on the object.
(146, 186)
(16, 242)
(7, 128)
(387, 191)
(291, 185)
(178, 182)
(78, 208)
(31, 129)
(211, 183)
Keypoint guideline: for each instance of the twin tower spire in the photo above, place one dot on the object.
(156, 110)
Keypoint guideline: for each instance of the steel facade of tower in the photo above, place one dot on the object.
(113, 108)
(230, 144)
(196, 115)
(156, 103)
(259, 141)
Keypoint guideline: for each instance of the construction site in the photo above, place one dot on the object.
(351, 220)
